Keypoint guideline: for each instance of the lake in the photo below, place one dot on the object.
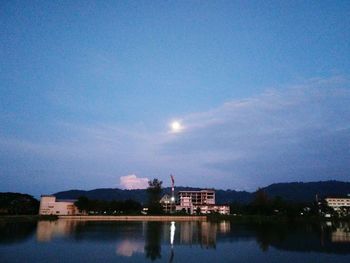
(86, 241)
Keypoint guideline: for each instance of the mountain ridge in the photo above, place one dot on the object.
(290, 191)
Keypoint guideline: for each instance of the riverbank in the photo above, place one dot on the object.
(26, 218)
(135, 218)
(243, 219)
(238, 219)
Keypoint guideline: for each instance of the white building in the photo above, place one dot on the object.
(202, 201)
(337, 202)
(50, 206)
(167, 203)
(197, 197)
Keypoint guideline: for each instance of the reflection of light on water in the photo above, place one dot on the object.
(172, 233)
(47, 230)
(342, 233)
(127, 248)
(224, 227)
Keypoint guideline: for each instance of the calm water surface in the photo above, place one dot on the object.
(76, 241)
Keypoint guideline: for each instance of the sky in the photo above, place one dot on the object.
(225, 94)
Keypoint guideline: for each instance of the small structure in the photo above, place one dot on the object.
(49, 205)
(167, 203)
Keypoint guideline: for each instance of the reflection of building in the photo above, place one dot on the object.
(47, 230)
(208, 234)
(202, 201)
(50, 206)
(224, 227)
(341, 233)
(201, 233)
(127, 248)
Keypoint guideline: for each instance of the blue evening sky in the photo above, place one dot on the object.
(88, 90)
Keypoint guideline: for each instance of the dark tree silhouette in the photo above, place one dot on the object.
(153, 239)
(154, 191)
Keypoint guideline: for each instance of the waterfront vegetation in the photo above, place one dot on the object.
(101, 207)
(262, 208)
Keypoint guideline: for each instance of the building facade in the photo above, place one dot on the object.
(49, 205)
(203, 202)
(167, 203)
(201, 197)
(337, 202)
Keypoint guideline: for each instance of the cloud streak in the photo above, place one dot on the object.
(293, 134)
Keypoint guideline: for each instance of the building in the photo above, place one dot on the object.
(220, 209)
(202, 201)
(201, 197)
(49, 205)
(337, 202)
(341, 205)
(167, 203)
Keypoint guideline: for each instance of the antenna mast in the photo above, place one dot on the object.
(172, 193)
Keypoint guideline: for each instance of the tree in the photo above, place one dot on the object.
(261, 203)
(83, 204)
(154, 191)
(15, 203)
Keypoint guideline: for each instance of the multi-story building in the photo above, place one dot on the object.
(337, 202)
(49, 205)
(201, 197)
(202, 201)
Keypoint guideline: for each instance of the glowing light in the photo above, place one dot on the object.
(172, 233)
(176, 126)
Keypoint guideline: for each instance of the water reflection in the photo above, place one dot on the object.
(153, 241)
(128, 248)
(172, 233)
(11, 232)
(167, 240)
(325, 237)
(47, 230)
(341, 233)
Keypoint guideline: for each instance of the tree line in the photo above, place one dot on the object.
(87, 205)
(18, 204)
(262, 204)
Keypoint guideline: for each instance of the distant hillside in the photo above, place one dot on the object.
(16, 203)
(295, 192)
(140, 195)
(306, 192)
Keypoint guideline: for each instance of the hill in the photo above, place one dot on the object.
(16, 203)
(140, 195)
(294, 192)
(306, 192)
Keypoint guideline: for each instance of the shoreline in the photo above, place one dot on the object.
(239, 219)
(165, 218)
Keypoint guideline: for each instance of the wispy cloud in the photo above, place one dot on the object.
(280, 135)
(287, 134)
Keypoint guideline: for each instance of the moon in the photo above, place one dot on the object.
(176, 127)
